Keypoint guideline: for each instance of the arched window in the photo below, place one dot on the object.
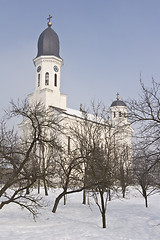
(120, 114)
(55, 80)
(38, 79)
(47, 78)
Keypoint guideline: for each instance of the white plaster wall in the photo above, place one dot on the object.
(48, 98)
(117, 119)
(49, 95)
(47, 63)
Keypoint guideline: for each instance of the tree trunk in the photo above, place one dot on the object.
(65, 199)
(57, 201)
(27, 188)
(103, 212)
(123, 191)
(104, 220)
(84, 191)
(146, 201)
(145, 196)
(45, 186)
(109, 194)
(84, 197)
(38, 186)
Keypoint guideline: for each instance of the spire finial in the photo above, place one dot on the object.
(49, 23)
(117, 96)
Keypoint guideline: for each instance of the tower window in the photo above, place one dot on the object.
(114, 114)
(47, 78)
(38, 79)
(120, 114)
(55, 80)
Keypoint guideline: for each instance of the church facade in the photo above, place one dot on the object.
(48, 64)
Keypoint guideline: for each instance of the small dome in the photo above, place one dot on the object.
(118, 102)
(48, 43)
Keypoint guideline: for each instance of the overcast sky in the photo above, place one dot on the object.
(105, 44)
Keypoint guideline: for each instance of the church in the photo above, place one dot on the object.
(48, 64)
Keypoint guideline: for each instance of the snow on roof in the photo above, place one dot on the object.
(80, 114)
(74, 112)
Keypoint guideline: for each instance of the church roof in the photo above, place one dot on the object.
(48, 43)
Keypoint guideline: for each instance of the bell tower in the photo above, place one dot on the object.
(121, 126)
(118, 112)
(48, 65)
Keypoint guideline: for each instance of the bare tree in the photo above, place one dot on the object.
(95, 140)
(146, 172)
(69, 170)
(19, 156)
(145, 114)
(100, 173)
(124, 167)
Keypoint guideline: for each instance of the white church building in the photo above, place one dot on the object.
(48, 64)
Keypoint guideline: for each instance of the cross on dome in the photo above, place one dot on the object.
(49, 23)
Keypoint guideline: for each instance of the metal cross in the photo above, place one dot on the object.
(49, 18)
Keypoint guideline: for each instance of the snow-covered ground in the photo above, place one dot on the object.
(127, 219)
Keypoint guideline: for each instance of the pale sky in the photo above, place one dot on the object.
(105, 44)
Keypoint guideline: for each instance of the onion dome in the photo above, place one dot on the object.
(118, 102)
(48, 42)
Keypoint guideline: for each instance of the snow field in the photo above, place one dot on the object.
(127, 219)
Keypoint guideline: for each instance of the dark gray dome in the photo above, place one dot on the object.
(48, 43)
(118, 103)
